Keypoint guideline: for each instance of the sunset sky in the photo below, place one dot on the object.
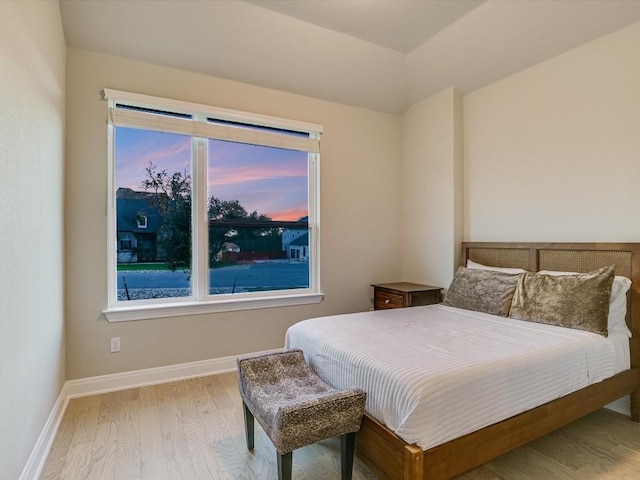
(270, 180)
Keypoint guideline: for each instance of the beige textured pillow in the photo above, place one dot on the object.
(482, 291)
(573, 301)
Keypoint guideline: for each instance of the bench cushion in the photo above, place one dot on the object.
(294, 405)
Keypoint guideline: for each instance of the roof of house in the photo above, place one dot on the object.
(130, 204)
(302, 240)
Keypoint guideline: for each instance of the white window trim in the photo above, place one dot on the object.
(165, 310)
(200, 302)
(179, 106)
(142, 224)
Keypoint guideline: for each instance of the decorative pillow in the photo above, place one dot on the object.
(575, 301)
(479, 266)
(616, 321)
(482, 291)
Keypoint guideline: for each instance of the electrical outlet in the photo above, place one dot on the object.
(115, 344)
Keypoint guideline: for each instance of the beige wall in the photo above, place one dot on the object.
(32, 369)
(432, 189)
(360, 221)
(552, 153)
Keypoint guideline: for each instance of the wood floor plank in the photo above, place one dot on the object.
(178, 458)
(151, 439)
(128, 450)
(78, 462)
(103, 451)
(168, 407)
(222, 447)
(527, 464)
(194, 429)
(615, 427)
(215, 387)
(78, 459)
(189, 400)
(480, 473)
(86, 419)
(627, 465)
(319, 463)
(263, 458)
(228, 379)
(578, 448)
(154, 469)
(58, 453)
(148, 396)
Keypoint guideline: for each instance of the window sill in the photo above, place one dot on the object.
(147, 312)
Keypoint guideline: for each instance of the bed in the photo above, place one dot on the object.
(416, 457)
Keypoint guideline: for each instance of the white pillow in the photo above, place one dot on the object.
(479, 266)
(616, 322)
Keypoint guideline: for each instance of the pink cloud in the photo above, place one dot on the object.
(170, 152)
(239, 175)
(288, 215)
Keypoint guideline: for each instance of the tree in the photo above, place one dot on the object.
(172, 196)
(233, 217)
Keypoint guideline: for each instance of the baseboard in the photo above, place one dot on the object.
(622, 405)
(109, 383)
(33, 468)
(149, 376)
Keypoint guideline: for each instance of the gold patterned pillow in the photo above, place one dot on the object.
(573, 301)
(481, 290)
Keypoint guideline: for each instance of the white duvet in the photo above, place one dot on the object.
(436, 373)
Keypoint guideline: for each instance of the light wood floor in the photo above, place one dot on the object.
(194, 429)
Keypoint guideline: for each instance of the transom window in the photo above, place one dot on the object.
(211, 209)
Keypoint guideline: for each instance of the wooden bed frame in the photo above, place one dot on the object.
(391, 458)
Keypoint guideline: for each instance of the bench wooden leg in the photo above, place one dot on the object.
(347, 447)
(285, 465)
(248, 426)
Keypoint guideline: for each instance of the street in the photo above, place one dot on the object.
(242, 278)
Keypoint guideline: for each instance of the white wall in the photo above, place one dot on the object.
(432, 189)
(32, 107)
(552, 153)
(360, 217)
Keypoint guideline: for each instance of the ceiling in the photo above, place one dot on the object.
(377, 54)
(400, 25)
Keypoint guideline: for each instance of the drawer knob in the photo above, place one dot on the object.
(387, 301)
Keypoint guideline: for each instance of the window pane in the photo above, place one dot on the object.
(258, 218)
(153, 214)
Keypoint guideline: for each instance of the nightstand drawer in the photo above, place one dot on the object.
(384, 300)
(404, 294)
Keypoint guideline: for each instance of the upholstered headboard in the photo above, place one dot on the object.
(572, 257)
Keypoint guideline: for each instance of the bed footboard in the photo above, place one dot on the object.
(386, 454)
(389, 457)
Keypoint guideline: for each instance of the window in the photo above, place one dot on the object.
(211, 209)
(141, 220)
(125, 245)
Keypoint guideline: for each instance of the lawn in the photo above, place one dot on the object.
(132, 267)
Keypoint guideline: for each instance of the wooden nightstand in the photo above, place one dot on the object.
(403, 294)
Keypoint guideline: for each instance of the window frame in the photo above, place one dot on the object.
(139, 221)
(200, 301)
